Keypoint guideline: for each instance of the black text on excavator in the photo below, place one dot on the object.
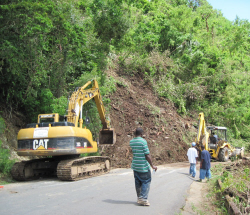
(60, 143)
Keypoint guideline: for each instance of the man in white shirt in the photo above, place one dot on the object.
(192, 157)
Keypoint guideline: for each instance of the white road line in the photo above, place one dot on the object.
(167, 173)
(126, 173)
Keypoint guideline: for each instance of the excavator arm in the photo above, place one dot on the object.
(101, 109)
(202, 134)
(80, 97)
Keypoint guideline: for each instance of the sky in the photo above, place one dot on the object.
(231, 8)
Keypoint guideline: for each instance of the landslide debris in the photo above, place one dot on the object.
(233, 180)
(134, 104)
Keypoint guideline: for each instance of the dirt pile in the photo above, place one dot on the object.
(135, 105)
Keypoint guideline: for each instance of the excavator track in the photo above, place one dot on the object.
(33, 169)
(17, 171)
(85, 167)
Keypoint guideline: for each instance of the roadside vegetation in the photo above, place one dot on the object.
(5, 162)
(231, 179)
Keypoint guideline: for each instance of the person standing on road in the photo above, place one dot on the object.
(205, 164)
(192, 158)
(141, 166)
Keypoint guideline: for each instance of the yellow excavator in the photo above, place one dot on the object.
(214, 139)
(60, 143)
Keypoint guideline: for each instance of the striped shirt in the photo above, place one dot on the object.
(139, 148)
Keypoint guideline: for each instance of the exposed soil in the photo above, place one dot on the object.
(133, 105)
(197, 201)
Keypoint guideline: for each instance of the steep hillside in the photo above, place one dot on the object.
(135, 105)
(13, 121)
(194, 56)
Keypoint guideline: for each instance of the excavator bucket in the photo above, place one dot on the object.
(107, 136)
(239, 152)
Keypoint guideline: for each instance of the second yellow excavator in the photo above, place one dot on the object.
(214, 139)
(60, 143)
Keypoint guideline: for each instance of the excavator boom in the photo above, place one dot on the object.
(202, 134)
(76, 102)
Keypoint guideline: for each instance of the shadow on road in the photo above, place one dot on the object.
(183, 173)
(194, 179)
(119, 202)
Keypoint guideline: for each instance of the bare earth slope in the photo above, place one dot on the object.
(133, 105)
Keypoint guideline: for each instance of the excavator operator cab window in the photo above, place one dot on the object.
(213, 140)
(213, 136)
(46, 118)
(222, 135)
(218, 134)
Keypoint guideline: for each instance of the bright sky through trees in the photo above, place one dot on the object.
(232, 8)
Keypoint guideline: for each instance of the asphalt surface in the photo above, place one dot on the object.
(113, 193)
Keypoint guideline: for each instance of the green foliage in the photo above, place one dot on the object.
(210, 60)
(43, 49)
(5, 162)
(41, 104)
(188, 51)
(90, 154)
(107, 88)
(109, 20)
(59, 105)
(2, 125)
(234, 182)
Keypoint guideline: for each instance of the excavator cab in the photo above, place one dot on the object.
(52, 117)
(216, 134)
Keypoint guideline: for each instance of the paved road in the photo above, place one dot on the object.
(109, 194)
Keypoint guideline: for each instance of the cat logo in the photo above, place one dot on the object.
(40, 144)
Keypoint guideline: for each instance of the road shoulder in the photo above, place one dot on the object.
(197, 201)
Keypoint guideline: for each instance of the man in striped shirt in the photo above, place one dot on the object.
(141, 165)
